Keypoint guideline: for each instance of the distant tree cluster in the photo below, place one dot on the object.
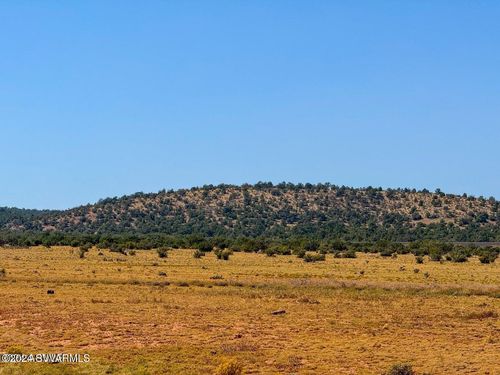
(307, 248)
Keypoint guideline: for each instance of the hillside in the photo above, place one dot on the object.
(282, 210)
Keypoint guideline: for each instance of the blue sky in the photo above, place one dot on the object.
(108, 98)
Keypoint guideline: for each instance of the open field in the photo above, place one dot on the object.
(144, 315)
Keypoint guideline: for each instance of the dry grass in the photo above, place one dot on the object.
(338, 320)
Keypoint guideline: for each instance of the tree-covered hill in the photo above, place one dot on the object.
(283, 210)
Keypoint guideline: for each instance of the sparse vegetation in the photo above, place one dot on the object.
(198, 254)
(162, 252)
(401, 369)
(229, 367)
(314, 257)
(326, 297)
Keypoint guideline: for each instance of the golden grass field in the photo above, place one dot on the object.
(145, 315)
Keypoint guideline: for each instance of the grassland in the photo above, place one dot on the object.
(144, 315)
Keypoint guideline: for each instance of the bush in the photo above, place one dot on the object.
(419, 259)
(386, 252)
(229, 367)
(223, 254)
(339, 245)
(401, 369)
(458, 256)
(488, 257)
(270, 252)
(198, 254)
(311, 246)
(300, 253)
(162, 252)
(278, 250)
(346, 254)
(313, 257)
(205, 246)
(82, 252)
(2, 272)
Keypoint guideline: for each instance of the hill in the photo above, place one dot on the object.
(283, 210)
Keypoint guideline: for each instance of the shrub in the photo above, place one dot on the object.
(419, 259)
(131, 252)
(2, 272)
(401, 369)
(339, 245)
(300, 253)
(223, 254)
(313, 257)
(198, 254)
(278, 250)
(386, 252)
(346, 254)
(487, 257)
(458, 256)
(435, 255)
(270, 252)
(311, 246)
(226, 253)
(162, 252)
(86, 247)
(205, 246)
(229, 367)
(82, 252)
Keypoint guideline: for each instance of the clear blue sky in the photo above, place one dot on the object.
(105, 98)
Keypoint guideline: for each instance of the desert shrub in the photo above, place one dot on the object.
(300, 253)
(458, 256)
(87, 246)
(161, 273)
(216, 277)
(226, 253)
(132, 252)
(229, 367)
(488, 255)
(162, 252)
(118, 249)
(311, 246)
(314, 257)
(205, 246)
(419, 259)
(387, 252)
(82, 252)
(223, 254)
(435, 255)
(401, 369)
(347, 254)
(278, 250)
(270, 252)
(3, 272)
(338, 245)
(198, 254)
